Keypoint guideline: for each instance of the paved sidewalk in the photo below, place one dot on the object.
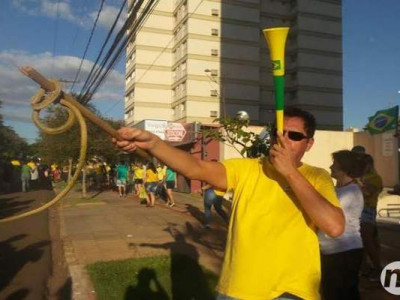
(114, 228)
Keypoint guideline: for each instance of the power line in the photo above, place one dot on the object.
(92, 71)
(100, 77)
(55, 34)
(118, 38)
(71, 45)
(88, 43)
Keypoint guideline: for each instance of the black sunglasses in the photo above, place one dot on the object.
(293, 135)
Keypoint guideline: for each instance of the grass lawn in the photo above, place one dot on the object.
(160, 277)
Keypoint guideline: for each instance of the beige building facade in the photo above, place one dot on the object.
(195, 60)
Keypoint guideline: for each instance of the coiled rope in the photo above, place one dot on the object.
(51, 93)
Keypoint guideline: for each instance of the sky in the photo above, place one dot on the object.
(51, 36)
(371, 58)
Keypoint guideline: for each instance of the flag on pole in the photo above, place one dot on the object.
(383, 120)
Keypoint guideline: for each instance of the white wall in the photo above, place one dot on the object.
(383, 147)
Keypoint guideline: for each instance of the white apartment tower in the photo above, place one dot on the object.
(195, 60)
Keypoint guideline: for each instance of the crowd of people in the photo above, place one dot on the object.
(145, 181)
(24, 175)
(292, 232)
(289, 223)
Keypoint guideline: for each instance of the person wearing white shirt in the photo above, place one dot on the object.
(341, 256)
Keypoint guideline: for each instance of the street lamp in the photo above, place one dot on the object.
(242, 115)
(222, 89)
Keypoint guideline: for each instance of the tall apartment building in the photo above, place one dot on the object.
(195, 60)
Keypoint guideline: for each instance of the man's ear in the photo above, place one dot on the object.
(310, 143)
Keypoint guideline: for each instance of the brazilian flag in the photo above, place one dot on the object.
(383, 120)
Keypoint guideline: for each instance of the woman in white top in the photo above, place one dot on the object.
(341, 257)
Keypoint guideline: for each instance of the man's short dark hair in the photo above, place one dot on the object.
(309, 120)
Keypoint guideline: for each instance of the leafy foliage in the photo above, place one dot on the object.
(59, 148)
(11, 145)
(234, 131)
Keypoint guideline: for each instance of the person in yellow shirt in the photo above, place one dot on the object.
(138, 175)
(161, 172)
(278, 203)
(371, 186)
(151, 183)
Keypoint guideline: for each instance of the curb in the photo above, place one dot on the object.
(82, 288)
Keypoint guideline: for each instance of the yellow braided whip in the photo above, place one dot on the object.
(39, 101)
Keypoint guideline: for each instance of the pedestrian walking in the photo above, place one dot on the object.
(170, 184)
(34, 176)
(138, 176)
(25, 176)
(122, 174)
(151, 183)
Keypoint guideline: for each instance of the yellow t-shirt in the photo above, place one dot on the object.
(219, 193)
(138, 172)
(373, 183)
(272, 246)
(151, 176)
(161, 172)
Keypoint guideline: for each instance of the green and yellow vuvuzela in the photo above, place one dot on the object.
(276, 39)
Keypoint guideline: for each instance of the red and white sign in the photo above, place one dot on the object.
(175, 132)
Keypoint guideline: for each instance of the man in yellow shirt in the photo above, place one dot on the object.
(272, 249)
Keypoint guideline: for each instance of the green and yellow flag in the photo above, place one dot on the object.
(383, 120)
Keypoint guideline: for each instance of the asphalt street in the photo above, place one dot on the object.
(389, 235)
(25, 247)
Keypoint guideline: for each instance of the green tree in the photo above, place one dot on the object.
(235, 132)
(60, 148)
(11, 145)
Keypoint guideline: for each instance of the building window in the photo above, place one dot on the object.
(213, 113)
(214, 31)
(214, 93)
(214, 72)
(183, 87)
(292, 95)
(131, 94)
(214, 52)
(129, 113)
(215, 12)
(183, 69)
(132, 75)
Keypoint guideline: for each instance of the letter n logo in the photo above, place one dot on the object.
(390, 278)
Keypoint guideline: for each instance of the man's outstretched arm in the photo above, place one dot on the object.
(182, 162)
